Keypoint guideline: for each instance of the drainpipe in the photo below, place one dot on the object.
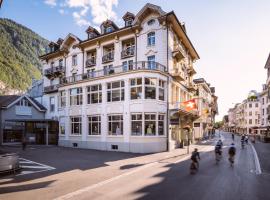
(168, 116)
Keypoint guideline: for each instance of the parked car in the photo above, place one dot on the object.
(9, 162)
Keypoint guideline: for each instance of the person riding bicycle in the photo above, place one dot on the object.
(195, 156)
(246, 139)
(220, 143)
(232, 152)
(243, 141)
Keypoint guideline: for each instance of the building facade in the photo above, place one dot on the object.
(121, 89)
(207, 108)
(245, 117)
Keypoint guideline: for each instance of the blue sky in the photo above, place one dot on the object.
(232, 37)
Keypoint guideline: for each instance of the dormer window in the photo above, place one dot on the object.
(108, 29)
(129, 22)
(151, 22)
(128, 18)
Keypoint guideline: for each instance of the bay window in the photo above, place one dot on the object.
(94, 125)
(115, 124)
(136, 88)
(136, 124)
(116, 91)
(94, 94)
(161, 85)
(150, 88)
(76, 96)
(76, 125)
(149, 124)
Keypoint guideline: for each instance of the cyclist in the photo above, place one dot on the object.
(218, 151)
(232, 152)
(195, 156)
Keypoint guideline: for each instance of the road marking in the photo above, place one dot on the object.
(27, 165)
(256, 159)
(86, 189)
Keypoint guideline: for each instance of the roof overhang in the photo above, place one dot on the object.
(29, 99)
(178, 28)
(53, 54)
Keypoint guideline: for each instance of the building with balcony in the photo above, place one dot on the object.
(121, 89)
(207, 108)
(245, 117)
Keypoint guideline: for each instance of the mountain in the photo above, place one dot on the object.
(19, 51)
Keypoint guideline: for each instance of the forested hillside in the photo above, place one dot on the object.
(19, 51)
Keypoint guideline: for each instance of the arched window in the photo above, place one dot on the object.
(151, 39)
(151, 22)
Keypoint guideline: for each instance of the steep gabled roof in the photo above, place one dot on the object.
(128, 15)
(91, 29)
(69, 39)
(146, 10)
(109, 23)
(9, 100)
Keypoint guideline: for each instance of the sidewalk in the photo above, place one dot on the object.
(263, 151)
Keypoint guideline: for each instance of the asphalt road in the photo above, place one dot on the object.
(170, 179)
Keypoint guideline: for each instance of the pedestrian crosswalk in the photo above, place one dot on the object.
(30, 167)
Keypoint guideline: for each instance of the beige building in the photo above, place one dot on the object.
(207, 108)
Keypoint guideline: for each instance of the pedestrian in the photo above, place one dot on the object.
(24, 142)
(232, 136)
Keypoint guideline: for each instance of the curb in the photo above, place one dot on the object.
(256, 160)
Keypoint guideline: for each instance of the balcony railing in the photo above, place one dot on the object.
(142, 65)
(178, 51)
(90, 62)
(54, 71)
(177, 74)
(51, 89)
(128, 52)
(108, 57)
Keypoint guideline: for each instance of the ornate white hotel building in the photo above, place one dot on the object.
(120, 89)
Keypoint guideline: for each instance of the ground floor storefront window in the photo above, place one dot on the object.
(76, 125)
(115, 124)
(94, 125)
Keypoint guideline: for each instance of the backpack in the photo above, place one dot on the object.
(232, 150)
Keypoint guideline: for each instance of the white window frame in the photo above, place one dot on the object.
(52, 104)
(161, 87)
(76, 99)
(136, 86)
(112, 90)
(90, 123)
(90, 92)
(150, 120)
(62, 99)
(74, 60)
(150, 85)
(159, 120)
(151, 39)
(111, 121)
(137, 120)
(72, 124)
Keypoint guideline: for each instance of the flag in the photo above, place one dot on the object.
(189, 105)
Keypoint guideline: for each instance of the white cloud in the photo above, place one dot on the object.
(62, 11)
(97, 10)
(50, 2)
(100, 10)
(79, 20)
